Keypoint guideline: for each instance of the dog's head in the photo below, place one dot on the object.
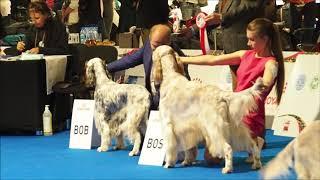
(165, 59)
(89, 75)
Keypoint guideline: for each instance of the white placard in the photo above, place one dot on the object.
(83, 133)
(300, 104)
(153, 151)
(74, 38)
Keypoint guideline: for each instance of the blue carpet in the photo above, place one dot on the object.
(41, 157)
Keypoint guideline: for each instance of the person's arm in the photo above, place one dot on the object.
(270, 73)
(126, 62)
(22, 45)
(67, 10)
(225, 59)
(296, 1)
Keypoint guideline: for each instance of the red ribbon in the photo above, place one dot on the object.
(204, 44)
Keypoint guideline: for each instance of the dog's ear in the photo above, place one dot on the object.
(103, 63)
(157, 68)
(109, 75)
(89, 77)
(180, 65)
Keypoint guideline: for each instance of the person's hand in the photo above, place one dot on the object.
(212, 19)
(197, 80)
(21, 46)
(34, 50)
(120, 80)
(188, 32)
(185, 32)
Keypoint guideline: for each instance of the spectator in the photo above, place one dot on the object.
(190, 8)
(127, 15)
(107, 18)
(89, 12)
(57, 5)
(70, 15)
(303, 14)
(150, 13)
(50, 4)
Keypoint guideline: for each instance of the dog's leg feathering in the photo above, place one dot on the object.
(190, 156)
(171, 147)
(137, 143)
(120, 144)
(105, 137)
(228, 155)
(255, 155)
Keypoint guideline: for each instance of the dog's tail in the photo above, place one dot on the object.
(241, 103)
(144, 121)
(279, 166)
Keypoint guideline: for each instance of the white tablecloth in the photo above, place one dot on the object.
(55, 70)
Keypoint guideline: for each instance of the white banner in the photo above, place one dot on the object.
(300, 104)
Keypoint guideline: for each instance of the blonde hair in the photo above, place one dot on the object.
(264, 27)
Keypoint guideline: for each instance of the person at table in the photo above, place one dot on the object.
(46, 36)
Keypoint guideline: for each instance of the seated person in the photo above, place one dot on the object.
(159, 35)
(46, 36)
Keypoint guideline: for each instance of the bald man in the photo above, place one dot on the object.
(159, 35)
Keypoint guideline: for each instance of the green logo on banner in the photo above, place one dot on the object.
(315, 82)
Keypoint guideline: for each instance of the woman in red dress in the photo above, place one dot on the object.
(264, 60)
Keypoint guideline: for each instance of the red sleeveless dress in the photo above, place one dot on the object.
(249, 70)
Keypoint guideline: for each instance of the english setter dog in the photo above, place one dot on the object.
(120, 109)
(192, 112)
(302, 154)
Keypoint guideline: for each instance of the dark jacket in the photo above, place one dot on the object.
(151, 12)
(236, 15)
(53, 34)
(127, 15)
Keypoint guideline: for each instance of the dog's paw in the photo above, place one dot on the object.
(102, 149)
(249, 159)
(256, 165)
(168, 165)
(118, 147)
(186, 163)
(133, 153)
(226, 170)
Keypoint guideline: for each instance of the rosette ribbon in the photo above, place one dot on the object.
(204, 43)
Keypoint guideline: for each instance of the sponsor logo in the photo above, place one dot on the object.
(315, 82)
(294, 119)
(300, 82)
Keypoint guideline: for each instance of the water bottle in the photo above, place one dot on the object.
(82, 36)
(47, 121)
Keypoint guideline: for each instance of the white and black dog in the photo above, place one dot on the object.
(120, 109)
